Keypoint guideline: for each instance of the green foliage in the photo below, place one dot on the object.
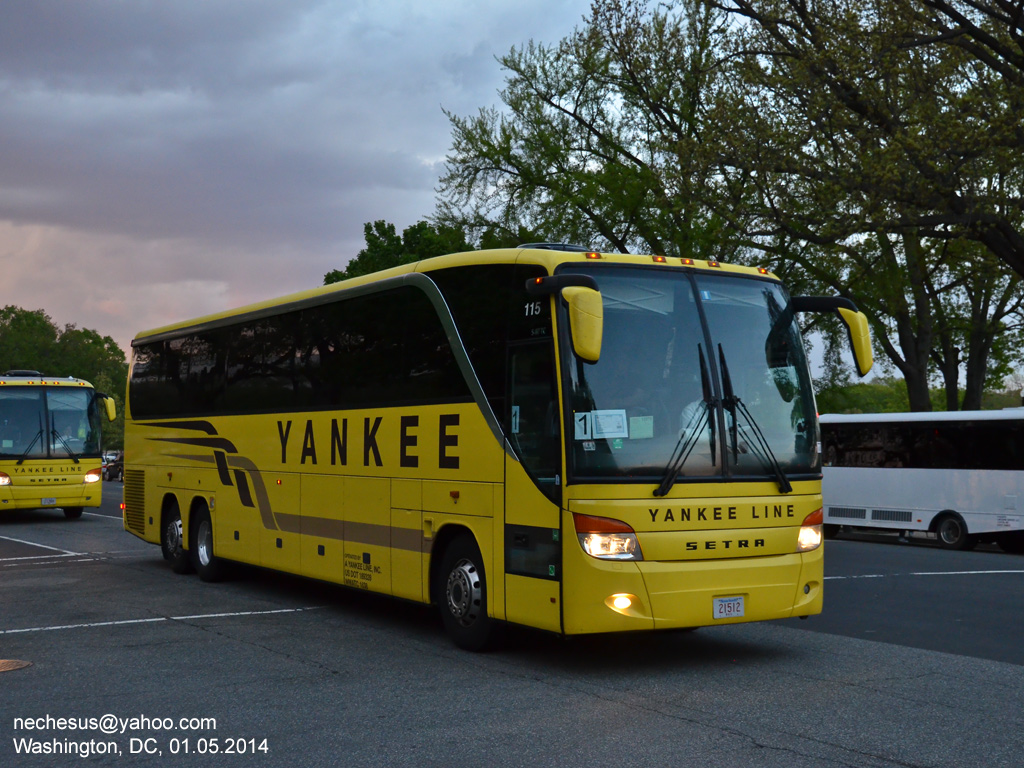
(883, 395)
(601, 141)
(29, 340)
(889, 395)
(386, 249)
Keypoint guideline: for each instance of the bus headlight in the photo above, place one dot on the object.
(93, 476)
(5, 479)
(607, 539)
(810, 532)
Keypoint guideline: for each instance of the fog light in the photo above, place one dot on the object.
(626, 604)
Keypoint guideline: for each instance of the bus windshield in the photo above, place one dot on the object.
(707, 368)
(43, 422)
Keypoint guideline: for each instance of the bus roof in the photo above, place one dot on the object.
(921, 417)
(33, 379)
(546, 255)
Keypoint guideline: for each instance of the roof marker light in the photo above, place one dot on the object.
(687, 262)
(762, 270)
(593, 255)
(659, 259)
(713, 264)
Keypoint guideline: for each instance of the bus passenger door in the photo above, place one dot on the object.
(533, 563)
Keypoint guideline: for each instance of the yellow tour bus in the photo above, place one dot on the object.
(576, 441)
(50, 441)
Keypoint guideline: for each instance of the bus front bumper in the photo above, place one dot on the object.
(608, 596)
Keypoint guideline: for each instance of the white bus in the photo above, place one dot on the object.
(956, 475)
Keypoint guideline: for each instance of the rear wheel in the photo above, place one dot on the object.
(72, 513)
(172, 542)
(462, 595)
(952, 533)
(207, 565)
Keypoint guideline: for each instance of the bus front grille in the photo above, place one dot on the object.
(850, 513)
(135, 500)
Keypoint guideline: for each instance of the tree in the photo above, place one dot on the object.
(385, 248)
(951, 156)
(600, 139)
(830, 140)
(29, 340)
(870, 153)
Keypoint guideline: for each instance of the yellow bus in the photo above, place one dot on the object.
(576, 441)
(50, 434)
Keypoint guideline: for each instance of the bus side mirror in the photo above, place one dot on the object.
(586, 321)
(108, 403)
(856, 323)
(860, 338)
(586, 309)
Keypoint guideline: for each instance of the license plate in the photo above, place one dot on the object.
(727, 607)
(49, 502)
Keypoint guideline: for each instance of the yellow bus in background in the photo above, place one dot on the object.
(50, 435)
(576, 441)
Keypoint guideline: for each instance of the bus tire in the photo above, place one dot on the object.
(207, 564)
(462, 595)
(72, 513)
(830, 530)
(952, 533)
(172, 541)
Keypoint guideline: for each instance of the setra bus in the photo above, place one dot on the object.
(575, 441)
(50, 435)
(955, 475)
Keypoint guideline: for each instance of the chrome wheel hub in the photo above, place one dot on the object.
(463, 592)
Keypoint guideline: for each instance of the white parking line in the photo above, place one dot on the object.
(156, 619)
(922, 573)
(41, 546)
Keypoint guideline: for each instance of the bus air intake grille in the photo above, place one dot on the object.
(135, 500)
(850, 513)
(892, 515)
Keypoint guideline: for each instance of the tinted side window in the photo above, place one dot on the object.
(382, 349)
(478, 299)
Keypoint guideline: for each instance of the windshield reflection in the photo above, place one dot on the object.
(645, 402)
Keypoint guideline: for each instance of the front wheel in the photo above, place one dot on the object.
(72, 513)
(207, 565)
(952, 533)
(462, 595)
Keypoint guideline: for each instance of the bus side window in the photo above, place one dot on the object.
(534, 425)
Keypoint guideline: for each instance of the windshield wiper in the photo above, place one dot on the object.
(761, 449)
(691, 432)
(30, 446)
(56, 433)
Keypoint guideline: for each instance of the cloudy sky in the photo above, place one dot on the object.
(161, 160)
